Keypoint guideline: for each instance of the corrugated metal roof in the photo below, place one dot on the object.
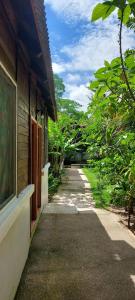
(32, 30)
(42, 31)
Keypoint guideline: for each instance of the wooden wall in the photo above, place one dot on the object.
(22, 125)
(15, 60)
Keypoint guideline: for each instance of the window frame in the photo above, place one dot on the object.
(14, 194)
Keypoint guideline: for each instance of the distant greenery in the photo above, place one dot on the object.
(63, 135)
(101, 192)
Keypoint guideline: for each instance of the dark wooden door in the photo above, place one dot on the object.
(39, 164)
(36, 153)
(34, 169)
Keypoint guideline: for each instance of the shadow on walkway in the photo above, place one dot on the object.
(74, 194)
(72, 257)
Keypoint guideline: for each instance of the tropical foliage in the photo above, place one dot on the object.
(108, 128)
(63, 135)
(111, 127)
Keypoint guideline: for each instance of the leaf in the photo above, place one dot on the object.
(131, 1)
(109, 11)
(119, 3)
(102, 91)
(122, 4)
(100, 74)
(132, 80)
(106, 63)
(101, 70)
(127, 12)
(130, 61)
(99, 11)
(119, 13)
(116, 62)
(94, 84)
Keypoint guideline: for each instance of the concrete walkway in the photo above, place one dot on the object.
(73, 196)
(79, 252)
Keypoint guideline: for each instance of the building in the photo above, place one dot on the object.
(26, 101)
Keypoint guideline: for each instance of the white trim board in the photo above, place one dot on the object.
(10, 212)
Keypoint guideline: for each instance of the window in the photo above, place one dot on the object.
(7, 138)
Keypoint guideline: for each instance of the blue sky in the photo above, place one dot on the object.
(78, 46)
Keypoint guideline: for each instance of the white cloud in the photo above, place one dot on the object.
(72, 10)
(100, 41)
(79, 93)
(58, 68)
(95, 47)
(73, 77)
(86, 56)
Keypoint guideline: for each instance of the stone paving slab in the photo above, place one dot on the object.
(57, 208)
(74, 195)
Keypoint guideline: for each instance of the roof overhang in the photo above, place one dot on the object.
(32, 31)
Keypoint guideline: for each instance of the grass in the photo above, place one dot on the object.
(53, 184)
(101, 192)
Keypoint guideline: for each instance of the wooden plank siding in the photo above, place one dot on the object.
(7, 45)
(22, 124)
(29, 98)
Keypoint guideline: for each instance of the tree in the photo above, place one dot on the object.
(63, 135)
(59, 87)
(70, 107)
(110, 131)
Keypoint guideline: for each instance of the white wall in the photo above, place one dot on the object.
(14, 242)
(15, 237)
(44, 199)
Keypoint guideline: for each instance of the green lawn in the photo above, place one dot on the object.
(101, 192)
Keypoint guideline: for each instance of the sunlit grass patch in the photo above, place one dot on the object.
(101, 192)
